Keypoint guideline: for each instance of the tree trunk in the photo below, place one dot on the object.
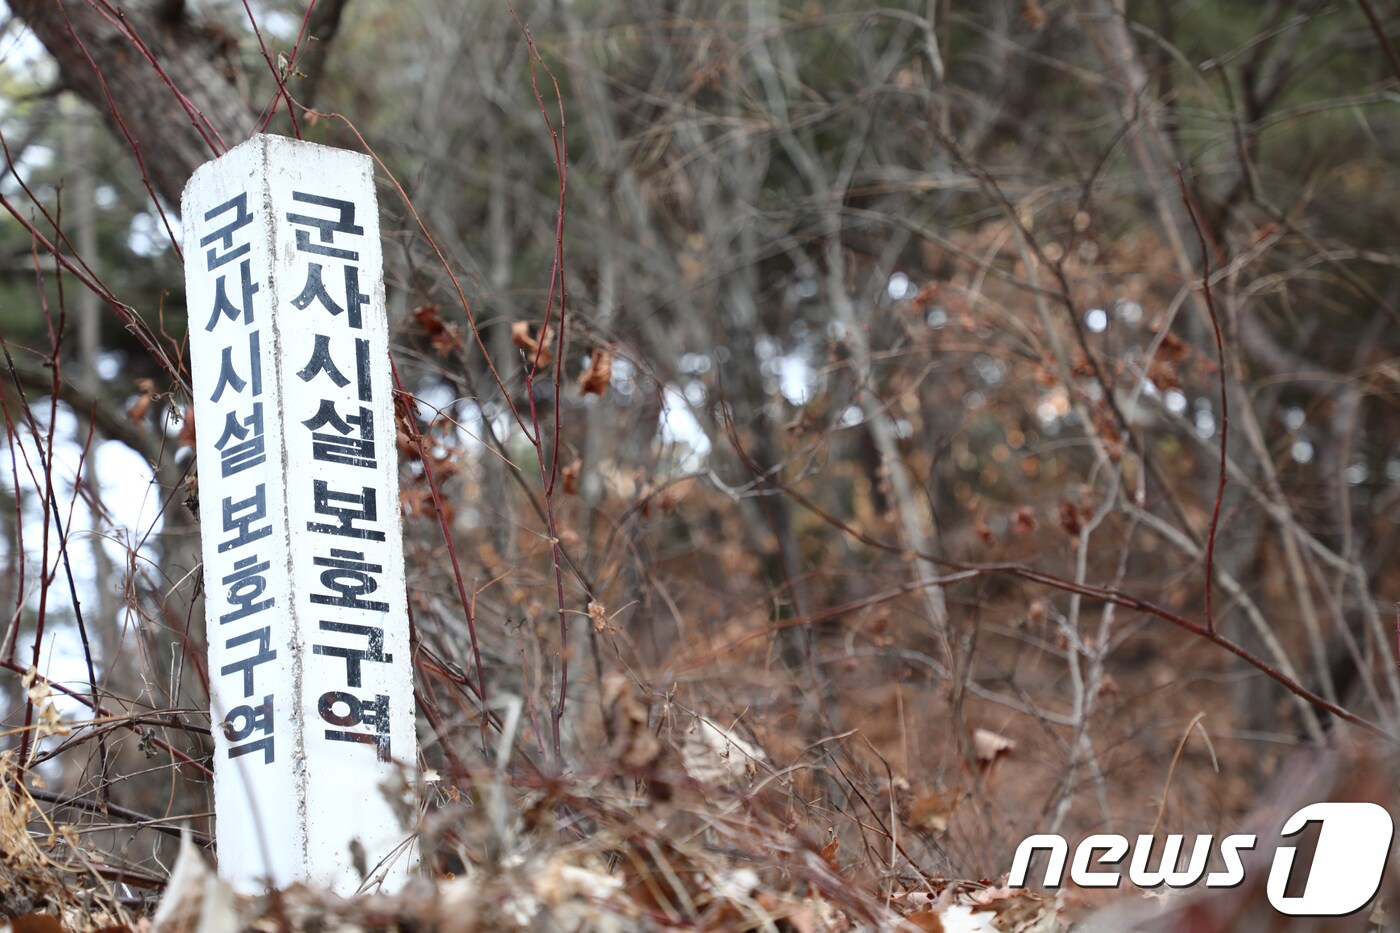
(104, 53)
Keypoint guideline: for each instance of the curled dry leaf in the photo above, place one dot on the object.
(829, 852)
(598, 376)
(802, 424)
(406, 432)
(829, 917)
(571, 474)
(192, 492)
(1033, 15)
(925, 921)
(1015, 909)
(1172, 348)
(925, 297)
(667, 499)
(1108, 433)
(538, 348)
(50, 722)
(786, 913)
(644, 498)
(959, 918)
(634, 747)
(142, 406)
(1069, 518)
(933, 813)
(429, 317)
(186, 436)
(444, 337)
(446, 462)
(1163, 374)
(417, 502)
(990, 746)
(194, 897)
(1082, 366)
(37, 923)
(717, 756)
(1024, 521)
(599, 616)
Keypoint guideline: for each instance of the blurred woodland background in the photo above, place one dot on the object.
(839, 440)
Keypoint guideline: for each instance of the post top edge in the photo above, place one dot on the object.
(264, 144)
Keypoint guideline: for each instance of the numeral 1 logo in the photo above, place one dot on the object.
(1346, 869)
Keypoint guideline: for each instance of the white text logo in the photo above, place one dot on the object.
(1345, 875)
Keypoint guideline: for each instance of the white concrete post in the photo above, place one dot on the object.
(311, 692)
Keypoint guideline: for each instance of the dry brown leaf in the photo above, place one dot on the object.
(793, 915)
(666, 500)
(692, 268)
(186, 436)
(446, 342)
(596, 379)
(925, 297)
(1034, 16)
(1173, 348)
(40, 694)
(194, 897)
(446, 462)
(1069, 518)
(444, 337)
(1082, 366)
(713, 755)
(1014, 910)
(142, 406)
(417, 502)
(925, 920)
(599, 616)
(934, 812)
(51, 721)
(990, 746)
(571, 473)
(633, 745)
(429, 317)
(538, 348)
(1163, 374)
(1108, 433)
(829, 852)
(1024, 521)
(37, 923)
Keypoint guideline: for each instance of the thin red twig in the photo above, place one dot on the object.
(129, 318)
(549, 474)
(1224, 399)
(276, 76)
(207, 131)
(467, 604)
